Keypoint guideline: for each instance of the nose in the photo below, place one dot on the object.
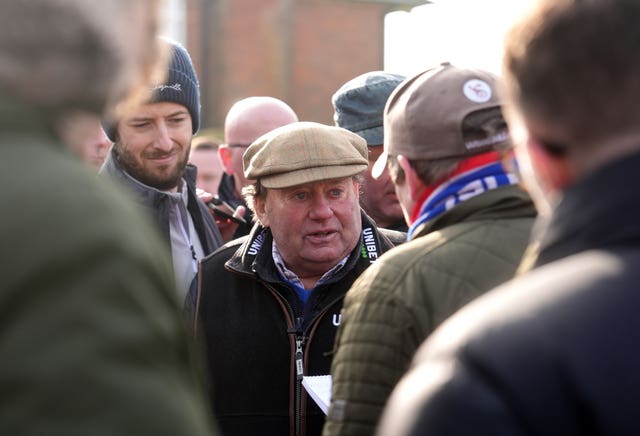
(163, 139)
(384, 177)
(320, 208)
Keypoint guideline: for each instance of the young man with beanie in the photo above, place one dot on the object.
(469, 224)
(358, 106)
(149, 157)
(555, 351)
(269, 304)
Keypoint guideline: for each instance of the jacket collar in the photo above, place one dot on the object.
(254, 254)
(601, 211)
(146, 194)
(504, 202)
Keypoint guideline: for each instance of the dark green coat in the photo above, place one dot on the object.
(91, 336)
(400, 300)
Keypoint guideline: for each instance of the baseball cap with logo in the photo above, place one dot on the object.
(304, 152)
(424, 116)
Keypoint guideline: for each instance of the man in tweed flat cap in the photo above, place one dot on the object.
(269, 304)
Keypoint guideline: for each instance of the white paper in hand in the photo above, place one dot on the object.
(319, 388)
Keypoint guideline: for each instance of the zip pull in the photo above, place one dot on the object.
(299, 357)
(297, 328)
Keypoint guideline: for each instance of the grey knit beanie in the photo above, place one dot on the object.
(181, 87)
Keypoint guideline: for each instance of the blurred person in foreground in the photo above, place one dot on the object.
(555, 351)
(149, 158)
(269, 303)
(358, 106)
(470, 222)
(246, 120)
(93, 340)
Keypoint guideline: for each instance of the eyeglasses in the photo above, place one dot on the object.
(237, 145)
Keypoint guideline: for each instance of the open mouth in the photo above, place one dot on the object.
(321, 236)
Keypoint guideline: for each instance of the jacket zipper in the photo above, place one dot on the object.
(306, 339)
(299, 357)
(299, 340)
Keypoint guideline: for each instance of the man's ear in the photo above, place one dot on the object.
(259, 204)
(412, 179)
(552, 169)
(225, 157)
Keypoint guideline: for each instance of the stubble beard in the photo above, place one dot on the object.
(163, 179)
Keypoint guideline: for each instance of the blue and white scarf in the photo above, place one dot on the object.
(461, 188)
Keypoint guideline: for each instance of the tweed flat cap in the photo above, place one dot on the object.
(304, 152)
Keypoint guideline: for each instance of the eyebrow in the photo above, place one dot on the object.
(178, 112)
(137, 119)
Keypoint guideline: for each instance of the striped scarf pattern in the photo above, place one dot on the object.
(460, 188)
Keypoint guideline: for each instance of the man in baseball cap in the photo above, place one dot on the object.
(469, 224)
(277, 292)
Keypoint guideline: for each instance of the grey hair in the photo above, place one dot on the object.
(429, 171)
(250, 192)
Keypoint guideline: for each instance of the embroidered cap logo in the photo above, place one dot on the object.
(477, 91)
(175, 87)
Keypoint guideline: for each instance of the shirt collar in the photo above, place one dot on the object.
(293, 278)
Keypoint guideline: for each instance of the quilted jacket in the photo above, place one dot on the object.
(397, 302)
(555, 351)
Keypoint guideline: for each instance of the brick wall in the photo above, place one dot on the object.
(334, 42)
(300, 51)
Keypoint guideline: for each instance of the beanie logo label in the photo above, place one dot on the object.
(175, 87)
(477, 91)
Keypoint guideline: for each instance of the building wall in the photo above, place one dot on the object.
(334, 42)
(300, 51)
